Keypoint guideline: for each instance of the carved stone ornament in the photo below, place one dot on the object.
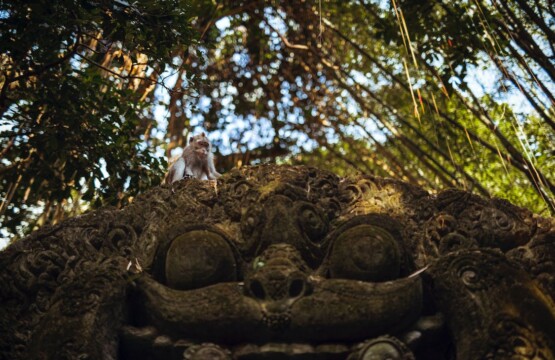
(280, 262)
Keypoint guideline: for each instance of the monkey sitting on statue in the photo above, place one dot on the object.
(196, 161)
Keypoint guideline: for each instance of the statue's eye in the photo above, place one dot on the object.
(311, 222)
(199, 258)
(365, 252)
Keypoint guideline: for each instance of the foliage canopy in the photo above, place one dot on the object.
(437, 93)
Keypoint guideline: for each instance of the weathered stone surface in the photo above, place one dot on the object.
(285, 263)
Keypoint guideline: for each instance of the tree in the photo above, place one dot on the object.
(390, 88)
(393, 95)
(74, 91)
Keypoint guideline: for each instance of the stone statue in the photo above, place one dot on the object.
(281, 262)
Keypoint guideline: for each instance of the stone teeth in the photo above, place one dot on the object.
(147, 332)
(288, 349)
(162, 340)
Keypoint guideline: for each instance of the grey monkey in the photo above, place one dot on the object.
(196, 161)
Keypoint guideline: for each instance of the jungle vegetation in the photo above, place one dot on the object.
(97, 95)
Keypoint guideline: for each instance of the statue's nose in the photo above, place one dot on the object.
(277, 286)
(276, 289)
(279, 276)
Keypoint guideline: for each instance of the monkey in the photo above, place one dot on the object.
(196, 161)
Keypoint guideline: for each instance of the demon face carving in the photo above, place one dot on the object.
(284, 263)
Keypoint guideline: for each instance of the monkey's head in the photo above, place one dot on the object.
(200, 142)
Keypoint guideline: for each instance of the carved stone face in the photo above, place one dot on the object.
(279, 268)
(285, 262)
